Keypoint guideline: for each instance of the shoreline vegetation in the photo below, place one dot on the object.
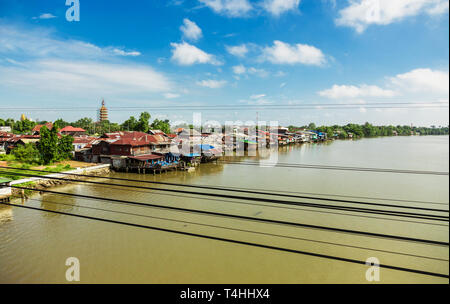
(369, 130)
(143, 125)
(53, 152)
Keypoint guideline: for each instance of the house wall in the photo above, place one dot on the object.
(102, 147)
(120, 150)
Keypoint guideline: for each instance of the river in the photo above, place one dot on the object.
(34, 245)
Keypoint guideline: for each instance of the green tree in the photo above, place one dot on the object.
(369, 130)
(48, 144)
(65, 147)
(143, 123)
(27, 153)
(162, 125)
(60, 123)
(130, 124)
(86, 123)
(24, 126)
(9, 122)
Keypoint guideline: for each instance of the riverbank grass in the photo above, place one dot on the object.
(15, 168)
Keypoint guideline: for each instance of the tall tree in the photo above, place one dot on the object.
(143, 122)
(48, 144)
(130, 124)
(65, 147)
(162, 125)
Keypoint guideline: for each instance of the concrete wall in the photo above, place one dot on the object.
(85, 170)
(6, 191)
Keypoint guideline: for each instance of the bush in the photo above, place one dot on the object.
(27, 153)
(7, 157)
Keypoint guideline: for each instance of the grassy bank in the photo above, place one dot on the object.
(14, 168)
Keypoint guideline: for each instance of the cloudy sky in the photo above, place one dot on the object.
(241, 54)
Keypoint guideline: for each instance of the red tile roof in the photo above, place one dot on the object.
(72, 129)
(37, 128)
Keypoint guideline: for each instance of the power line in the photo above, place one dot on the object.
(275, 191)
(242, 230)
(271, 221)
(315, 205)
(235, 241)
(316, 106)
(242, 191)
(229, 188)
(323, 167)
(279, 207)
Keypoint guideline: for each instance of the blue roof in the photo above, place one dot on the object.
(191, 155)
(205, 147)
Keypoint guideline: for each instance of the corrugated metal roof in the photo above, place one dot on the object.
(146, 157)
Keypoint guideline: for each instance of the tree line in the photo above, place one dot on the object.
(141, 124)
(369, 130)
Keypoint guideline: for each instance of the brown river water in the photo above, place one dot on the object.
(34, 245)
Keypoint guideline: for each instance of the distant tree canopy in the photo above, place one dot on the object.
(162, 125)
(60, 123)
(369, 130)
(23, 126)
(130, 124)
(143, 124)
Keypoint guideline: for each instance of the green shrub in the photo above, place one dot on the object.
(27, 153)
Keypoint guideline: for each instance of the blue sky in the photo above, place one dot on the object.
(227, 52)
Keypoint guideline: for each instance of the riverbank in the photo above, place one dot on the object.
(47, 181)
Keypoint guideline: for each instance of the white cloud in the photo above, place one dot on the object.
(239, 69)
(40, 43)
(171, 95)
(284, 53)
(187, 54)
(418, 84)
(231, 8)
(125, 53)
(70, 67)
(350, 91)
(238, 50)
(45, 16)
(212, 84)
(423, 80)
(258, 72)
(362, 13)
(83, 76)
(257, 96)
(191, 30)
(277, 7)
(257, 100)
